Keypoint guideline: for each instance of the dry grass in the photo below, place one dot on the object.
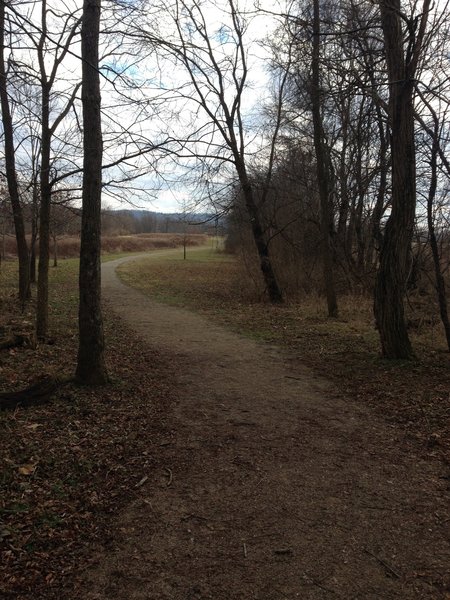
(69, 247)
(8, 246)
(149, 241)
(192, 281)
(415, 394)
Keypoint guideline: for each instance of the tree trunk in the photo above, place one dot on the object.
(91, 369)
(270, 280)
(376, 238)
(33, 263)
(11, 175)
(323, 171)
(395, 256)
(3, 243)
(440, 282)
(34, 231)
(45, 188)
(273, 289)
(44, 218)
(55, 251)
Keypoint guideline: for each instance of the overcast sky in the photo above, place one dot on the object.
(178, 115)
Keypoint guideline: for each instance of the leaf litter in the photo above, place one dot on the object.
(68, 466)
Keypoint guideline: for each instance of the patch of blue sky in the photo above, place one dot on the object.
(224, 35)
(120, 68)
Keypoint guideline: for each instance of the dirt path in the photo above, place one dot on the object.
(266, 486)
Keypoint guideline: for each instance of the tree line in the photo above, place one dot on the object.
(65, 221)
(364, 152)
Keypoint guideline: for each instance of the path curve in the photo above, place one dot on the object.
(277, 488)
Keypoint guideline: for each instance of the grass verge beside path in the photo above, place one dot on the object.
(414, 395)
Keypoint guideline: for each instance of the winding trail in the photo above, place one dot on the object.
(269, 487)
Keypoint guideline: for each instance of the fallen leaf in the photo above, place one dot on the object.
(27, 469)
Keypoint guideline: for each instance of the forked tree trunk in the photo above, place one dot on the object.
(91, 369)
(11, 175)
(395, 256)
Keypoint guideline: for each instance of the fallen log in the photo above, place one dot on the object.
(37, 393)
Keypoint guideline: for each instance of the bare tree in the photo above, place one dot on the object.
(91, 369)
(215, 59)
(403, 51)
(324, 171)
(43, 97)
(48, 129)
(11, 174)
(336, 112)
(440, 281)
(62, 216)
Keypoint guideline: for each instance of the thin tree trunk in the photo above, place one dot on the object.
(344, 207)
(376, 238)
(3, 246)
(440, 282)
(55, 251)
(34, 234)
(323, 171)
(91, 369)
(11, 174)
(45, 187)
(33, 262)
(44, 219)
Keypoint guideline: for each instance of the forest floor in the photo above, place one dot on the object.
(216, 466)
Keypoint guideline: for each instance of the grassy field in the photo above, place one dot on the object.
(216, 284)
(345, 350)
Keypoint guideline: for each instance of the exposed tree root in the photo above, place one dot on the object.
(37, 393)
